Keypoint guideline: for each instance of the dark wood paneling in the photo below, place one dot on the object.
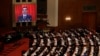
(6, 12)
(74, 9)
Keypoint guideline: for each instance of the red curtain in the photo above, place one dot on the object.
(31, 10)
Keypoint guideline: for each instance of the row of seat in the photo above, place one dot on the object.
(63, 51)
(73, 42)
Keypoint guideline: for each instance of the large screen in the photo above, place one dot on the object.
(25, 12)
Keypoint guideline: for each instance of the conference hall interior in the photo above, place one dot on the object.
(49, 27)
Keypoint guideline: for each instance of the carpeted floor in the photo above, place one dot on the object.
(12, 47)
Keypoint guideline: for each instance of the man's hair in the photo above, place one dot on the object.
(24, 7)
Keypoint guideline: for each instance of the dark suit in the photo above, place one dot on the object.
(27, 18)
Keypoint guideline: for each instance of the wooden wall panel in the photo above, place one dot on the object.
(74, 9)
(6, 12)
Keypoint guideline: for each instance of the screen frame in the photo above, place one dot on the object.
(13, 15)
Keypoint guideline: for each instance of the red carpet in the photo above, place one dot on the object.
(15, 49)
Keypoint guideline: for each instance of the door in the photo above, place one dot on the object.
(89, 20)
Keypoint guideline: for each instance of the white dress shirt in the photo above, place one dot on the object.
(92, 51)
(49, 42)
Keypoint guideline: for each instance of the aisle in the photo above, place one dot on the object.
(14, 49)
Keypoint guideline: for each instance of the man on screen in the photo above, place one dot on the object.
(25, 17)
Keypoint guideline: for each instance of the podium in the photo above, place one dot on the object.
(21, 24)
